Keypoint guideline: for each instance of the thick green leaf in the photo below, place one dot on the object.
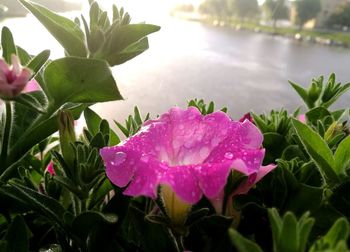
(124, 36)
(302, 93)
(317, 114)
(276, 226)
(80, 80)
(17, 236)
(66, 32)
(342, 156)
(7, 44)
(318, 150)
(289, 239)
(336, 96)
(243, 244)
(304, 232)
(128, 53)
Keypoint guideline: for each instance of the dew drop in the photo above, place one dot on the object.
(119, 158)
(228, 155)
(145, 158)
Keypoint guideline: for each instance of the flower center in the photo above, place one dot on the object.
(11, 77)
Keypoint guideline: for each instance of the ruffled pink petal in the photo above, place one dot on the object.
(121, 164)
(191, 153)
(253, 179)
(146, 179)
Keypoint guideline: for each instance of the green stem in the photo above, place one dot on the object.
(177, 240)
(6, 133)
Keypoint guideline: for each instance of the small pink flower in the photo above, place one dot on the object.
(31, 86)
(13, 79)
(191, 153)
(302, 118)
(248, 117)
(50, 169)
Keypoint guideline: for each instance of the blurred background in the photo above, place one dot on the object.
(237, 53)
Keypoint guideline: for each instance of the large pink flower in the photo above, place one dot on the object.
(188, 152)
(13, 79)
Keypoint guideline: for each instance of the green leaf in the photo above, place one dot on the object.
(7, 44)
(337, 95)
(93, 122)
(38, 202)
(71, 186)
(66, 32)
(342, 156)
(318, 150)
(317, 114)
(124, 36)
(338, 232)
(243, 244)
(30, 101)
(80, 80)
(84, 223)
(17, 236)
(340, 198)
(302, 93)
(38, 61)
(276, 226)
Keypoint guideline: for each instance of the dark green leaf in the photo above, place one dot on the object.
(17, 236)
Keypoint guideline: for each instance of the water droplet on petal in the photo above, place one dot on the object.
(119, 158)
(145, 158)
(228, 155)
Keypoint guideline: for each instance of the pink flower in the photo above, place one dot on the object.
(302, 118)
(248, 117)
(13, 79)
(189, 153)
(50, 169)
(31, 86)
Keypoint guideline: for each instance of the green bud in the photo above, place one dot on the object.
(314, 92)
(67, 136)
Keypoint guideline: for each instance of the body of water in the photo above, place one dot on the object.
(241, 70)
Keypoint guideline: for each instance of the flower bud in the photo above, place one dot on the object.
(67, 135)
(13, 79)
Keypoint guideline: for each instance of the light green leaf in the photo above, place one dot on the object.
(318, 150)
(342, 156)
(243, 244)
(80, 80)
(66, 32)
(38, 61)
(7, 44)
(302, 93)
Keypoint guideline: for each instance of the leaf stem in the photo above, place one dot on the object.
(6, 133)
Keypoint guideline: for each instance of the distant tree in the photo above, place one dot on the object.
(243, 8)
(341, 17)
(216, 8)
(276, 10)
(307, 10)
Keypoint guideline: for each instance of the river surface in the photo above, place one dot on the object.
(244, 71)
